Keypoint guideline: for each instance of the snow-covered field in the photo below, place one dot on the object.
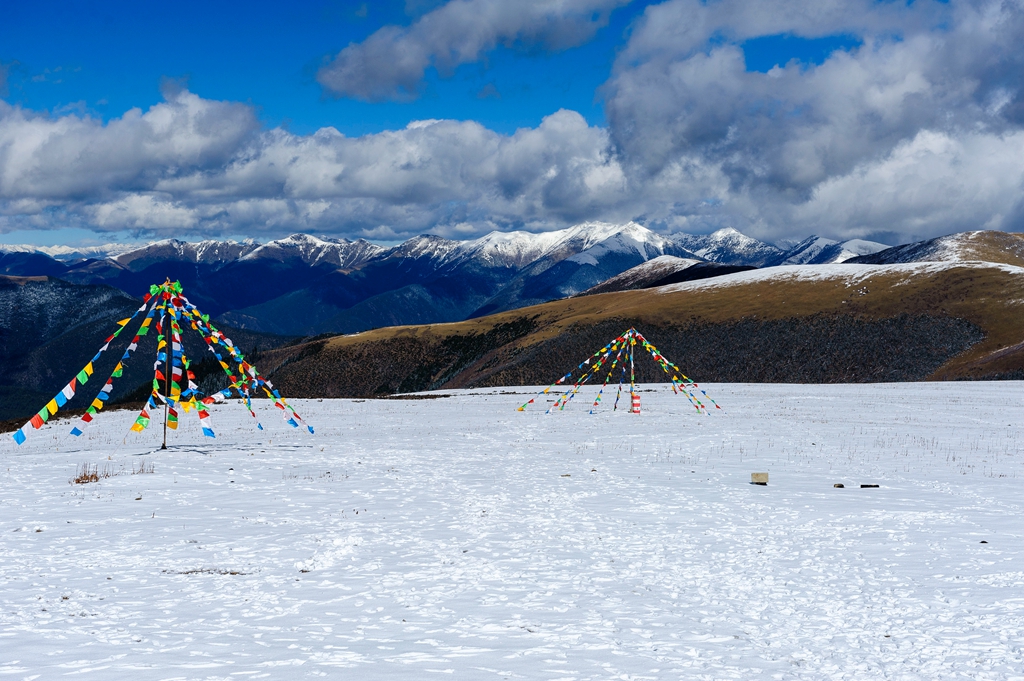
(459, 536)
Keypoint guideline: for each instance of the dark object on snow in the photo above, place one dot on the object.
(758, 478)
(839, 485)
(864, 486)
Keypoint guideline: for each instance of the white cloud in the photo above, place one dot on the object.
(193, 166)
(933, 183)
(142, 212)
(390, 64)
(685, 113)
(74, 156)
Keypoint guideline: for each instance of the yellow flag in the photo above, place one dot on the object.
(88, 369)
(124, 321)
(52, 407)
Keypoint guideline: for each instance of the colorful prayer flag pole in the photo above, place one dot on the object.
(624, 349)
(172, 367)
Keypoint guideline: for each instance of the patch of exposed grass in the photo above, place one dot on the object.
(93, 473)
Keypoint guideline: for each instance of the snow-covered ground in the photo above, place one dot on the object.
(459, 536)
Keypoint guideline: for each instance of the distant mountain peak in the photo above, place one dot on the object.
(425, 245)
(726, 232)
(729, 246)
(816, 250)
(314, 250)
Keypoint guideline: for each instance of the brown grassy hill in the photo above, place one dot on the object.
(831, 323)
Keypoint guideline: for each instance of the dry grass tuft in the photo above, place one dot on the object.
(92, 473)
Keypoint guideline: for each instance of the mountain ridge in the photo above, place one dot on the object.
(308, 285)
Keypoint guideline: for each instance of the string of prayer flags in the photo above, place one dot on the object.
(81, 378)
(249, 380)
(101, 397)
(169, 312)
(621, 352)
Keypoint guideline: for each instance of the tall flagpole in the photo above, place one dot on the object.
(632, 379)
(167, 370)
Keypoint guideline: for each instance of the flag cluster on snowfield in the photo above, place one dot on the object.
(170, 309)
(621, 351)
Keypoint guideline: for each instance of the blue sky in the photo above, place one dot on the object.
(105, 58)
(779, 118)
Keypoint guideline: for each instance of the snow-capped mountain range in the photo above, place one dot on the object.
(70, 253)
(817, 250)
(726, 246)
(304, 284)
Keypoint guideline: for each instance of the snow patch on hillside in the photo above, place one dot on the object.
(852, 273)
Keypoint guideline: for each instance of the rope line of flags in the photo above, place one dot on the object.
(621, 351)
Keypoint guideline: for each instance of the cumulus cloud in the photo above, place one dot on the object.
(681, 99)
(390, 64)
(78, 157)
(194, 166)
(932, 184)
